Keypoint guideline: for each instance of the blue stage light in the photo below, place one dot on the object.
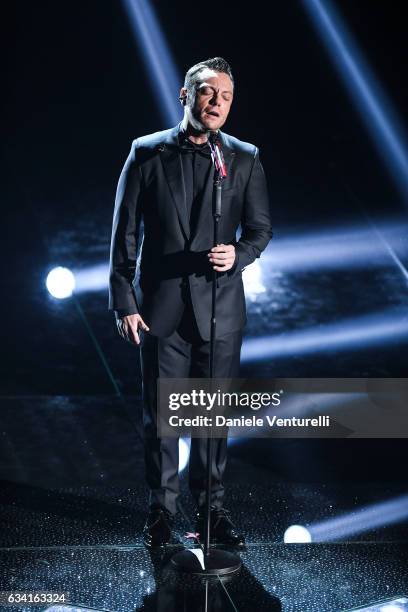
(349, 247)
(357, 333)
(60, 282)
(164, 77)
(376, 110)
(94, 278)
(360, 520)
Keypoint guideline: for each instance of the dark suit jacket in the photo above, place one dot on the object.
(155, 254)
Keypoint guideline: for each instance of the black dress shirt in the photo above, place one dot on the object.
(196, 164)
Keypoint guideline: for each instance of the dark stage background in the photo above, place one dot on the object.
(75, 93)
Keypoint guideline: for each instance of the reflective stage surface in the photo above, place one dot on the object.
(73, 504)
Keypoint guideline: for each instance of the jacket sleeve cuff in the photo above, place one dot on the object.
(123, 312)
(236, 265)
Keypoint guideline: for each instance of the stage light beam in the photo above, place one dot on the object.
(160, 68)
(325, 249)
(357, 333)
(371, 101)
(358, 521)
(349, 248)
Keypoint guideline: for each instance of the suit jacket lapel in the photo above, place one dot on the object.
(171, 160)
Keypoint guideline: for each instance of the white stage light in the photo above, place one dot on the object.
(391, 605)
(60, 282)
(184, 454)
(252, 277)
(297, 534)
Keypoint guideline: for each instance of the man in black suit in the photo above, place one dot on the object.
(160, 286)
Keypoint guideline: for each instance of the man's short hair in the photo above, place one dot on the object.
(218, 64)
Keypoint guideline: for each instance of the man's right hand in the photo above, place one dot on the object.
(128, 327)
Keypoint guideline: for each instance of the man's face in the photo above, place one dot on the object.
(213, 99)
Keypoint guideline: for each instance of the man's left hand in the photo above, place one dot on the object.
(222, 257)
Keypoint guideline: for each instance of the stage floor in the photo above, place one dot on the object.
(73, 503)
(292, 578)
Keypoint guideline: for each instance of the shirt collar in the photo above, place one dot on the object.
(183, 138)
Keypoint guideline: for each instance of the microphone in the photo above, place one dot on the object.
(216, 154)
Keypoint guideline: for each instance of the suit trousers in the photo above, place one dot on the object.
(183, 354)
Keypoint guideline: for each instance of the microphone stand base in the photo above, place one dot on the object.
(216, 563)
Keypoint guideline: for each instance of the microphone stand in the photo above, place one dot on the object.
(214, 562)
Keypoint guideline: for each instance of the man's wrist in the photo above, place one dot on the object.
(124, 312)
(234, 265)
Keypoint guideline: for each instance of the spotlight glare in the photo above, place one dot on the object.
(184, 454)
(60, 283)
(395, 605)
(297, 534)
(252, 277)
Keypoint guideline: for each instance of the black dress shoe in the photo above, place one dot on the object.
(222, 529)
(157, 529)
